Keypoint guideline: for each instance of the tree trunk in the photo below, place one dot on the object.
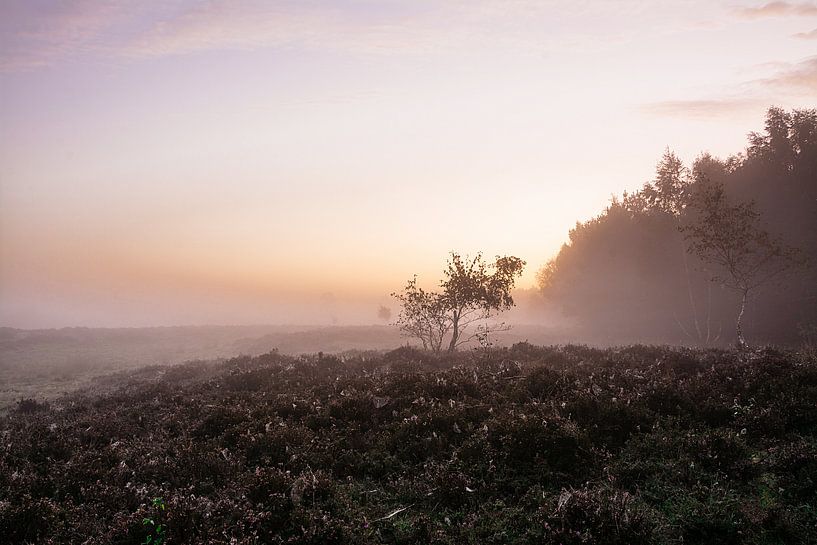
(708, 313)
(741, 340)
(455, 333)
(692, 305)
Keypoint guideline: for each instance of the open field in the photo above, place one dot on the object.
(521, 445)
(47, 363)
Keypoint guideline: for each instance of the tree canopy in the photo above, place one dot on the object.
(472, 293)
(630, 275)
(730, 238)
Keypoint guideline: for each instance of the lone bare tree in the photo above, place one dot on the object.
(472, 293)
(729, 237)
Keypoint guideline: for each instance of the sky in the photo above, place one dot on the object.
(238, 162)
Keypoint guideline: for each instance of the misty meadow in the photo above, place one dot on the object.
(408, 272)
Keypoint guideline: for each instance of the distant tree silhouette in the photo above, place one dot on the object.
(472, 293)
(384, 313)
(628, 274)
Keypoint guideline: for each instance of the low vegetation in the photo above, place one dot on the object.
(48, 362)
(557, 445)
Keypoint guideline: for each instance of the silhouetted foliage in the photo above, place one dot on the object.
(628, 274)
(473, 292)
(729, 237)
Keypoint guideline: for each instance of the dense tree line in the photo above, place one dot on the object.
(633, 272)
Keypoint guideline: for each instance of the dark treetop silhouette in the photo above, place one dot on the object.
(628, 275)
(472, 293)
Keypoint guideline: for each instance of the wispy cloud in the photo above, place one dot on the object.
(778, 9)
(797, 78)
(702, 108)
(225, 25)
(36, 34)
(219, 25)
(47, 32)
(361, 26)
(788, 81)
(811, 35)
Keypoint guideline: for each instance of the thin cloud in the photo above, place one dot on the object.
(33, 36)
(43, 34)
(219, 25)
(33, 43)
(419, 27)
(812, 35)
(778, 9)
(789, 81)
(798, 78)
(701, 108)
(52, 31)
(38, 35)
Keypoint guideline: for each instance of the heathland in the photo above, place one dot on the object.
(527, 444)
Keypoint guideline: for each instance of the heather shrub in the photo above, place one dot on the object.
(569, 444)
(600, 515)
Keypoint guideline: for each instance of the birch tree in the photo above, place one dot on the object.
(729, 237)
